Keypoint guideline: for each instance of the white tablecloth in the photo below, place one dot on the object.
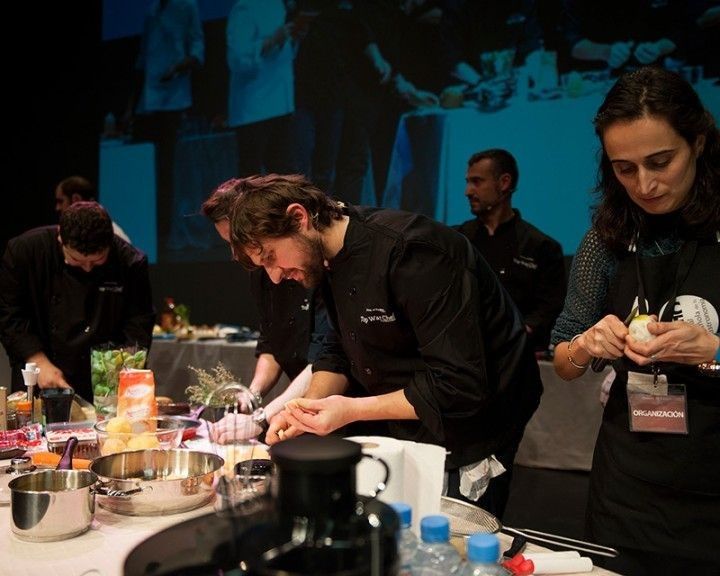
(99, 552)
(169, 361)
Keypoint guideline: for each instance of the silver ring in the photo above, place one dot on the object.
(653, 357)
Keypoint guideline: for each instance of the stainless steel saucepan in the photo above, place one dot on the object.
(52, 505)
(155, 482)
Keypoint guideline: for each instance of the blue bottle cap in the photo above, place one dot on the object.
(483, 548)
(435, 529)
(404, 511)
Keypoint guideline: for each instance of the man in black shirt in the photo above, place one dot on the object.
(420, 322)
(67, 288)
(529, 264)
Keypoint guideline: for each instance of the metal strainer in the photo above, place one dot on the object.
(467, 519)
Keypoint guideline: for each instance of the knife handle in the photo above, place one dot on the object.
(598, 364)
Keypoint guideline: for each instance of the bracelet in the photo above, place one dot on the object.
(260, 418)
(258, 398)
(711, 368)
(569, 354)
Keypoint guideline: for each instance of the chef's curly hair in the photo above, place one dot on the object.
(258, 209)
(86, 227)
(657, 93)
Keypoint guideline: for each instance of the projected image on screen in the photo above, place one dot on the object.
(378, 102)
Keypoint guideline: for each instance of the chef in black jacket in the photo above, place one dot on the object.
(293, 323)
(419, 320)
(67, 288)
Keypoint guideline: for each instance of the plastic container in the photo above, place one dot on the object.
(407, 540)
(483, 553)
(435, 555)
(57, 435)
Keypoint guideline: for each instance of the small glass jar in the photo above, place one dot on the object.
(22, 413)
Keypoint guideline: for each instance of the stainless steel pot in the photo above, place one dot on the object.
(18, 466)
(155, 482)
(52, 505)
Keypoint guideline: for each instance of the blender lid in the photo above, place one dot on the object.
(316, 454)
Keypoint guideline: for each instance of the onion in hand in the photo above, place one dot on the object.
(638, 328)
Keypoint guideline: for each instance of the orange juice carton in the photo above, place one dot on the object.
(136, 394)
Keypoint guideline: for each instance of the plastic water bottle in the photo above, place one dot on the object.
(435, 555)
(407, 540)
(483, 553)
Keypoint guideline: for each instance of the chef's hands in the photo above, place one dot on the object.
(50, 375)
(680, 342)
(280, 429)
(233, 427)
(317, 416)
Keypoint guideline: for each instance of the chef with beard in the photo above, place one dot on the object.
(420, 322)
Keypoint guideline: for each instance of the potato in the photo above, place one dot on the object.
(118, 425)
(113, 446)
(143, 442)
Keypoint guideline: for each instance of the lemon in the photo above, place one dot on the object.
(638, 328)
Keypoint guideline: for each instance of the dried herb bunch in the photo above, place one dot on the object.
(209, 383)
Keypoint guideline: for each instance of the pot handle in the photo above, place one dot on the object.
(103, 489)
(382, 485)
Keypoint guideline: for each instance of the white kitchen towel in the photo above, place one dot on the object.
(416, 473)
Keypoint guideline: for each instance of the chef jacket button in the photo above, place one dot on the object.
(294, 354)
(352, 291)
(353, 336)
(352, 363)
(55, 299)
(292, 319)
(368, 371)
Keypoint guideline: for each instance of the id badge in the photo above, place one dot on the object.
(654, 405)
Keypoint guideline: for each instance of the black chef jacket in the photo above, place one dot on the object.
(415, 307)
(531, 267)
(46, 305)
(293, 322)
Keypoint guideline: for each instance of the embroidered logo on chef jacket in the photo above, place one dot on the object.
(525, 262)
(113, 288)
(695, 310)
(377, 315)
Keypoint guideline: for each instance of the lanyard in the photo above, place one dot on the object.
(687, 256)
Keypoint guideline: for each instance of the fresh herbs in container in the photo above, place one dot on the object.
(217, 390)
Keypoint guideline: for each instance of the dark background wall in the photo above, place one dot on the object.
(55, 105)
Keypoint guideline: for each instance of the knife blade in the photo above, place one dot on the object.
(598, 364)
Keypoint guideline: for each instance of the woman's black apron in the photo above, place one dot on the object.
(650, 491)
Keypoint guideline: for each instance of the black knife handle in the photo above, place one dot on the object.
(598, 364)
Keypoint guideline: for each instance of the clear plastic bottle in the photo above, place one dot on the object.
(483, 553)
(435, 555)
(407, 540)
